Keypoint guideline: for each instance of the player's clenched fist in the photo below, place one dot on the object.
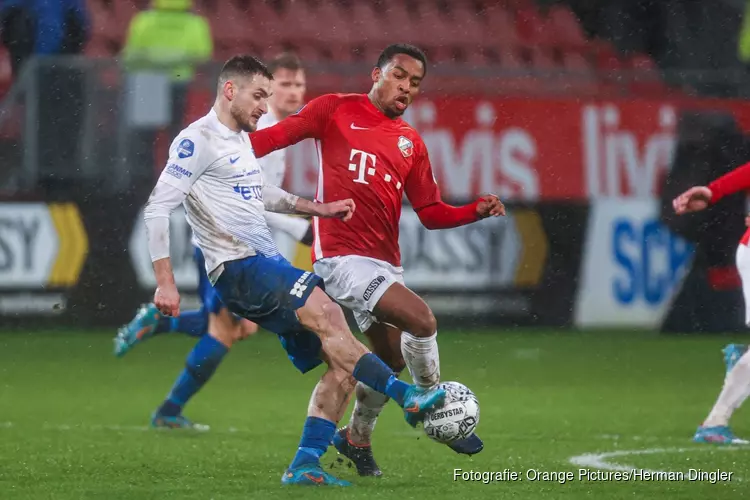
(167, 300)
(490, 205)
(694, 199)
(341, 209)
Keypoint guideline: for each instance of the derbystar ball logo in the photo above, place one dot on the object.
(405, 146)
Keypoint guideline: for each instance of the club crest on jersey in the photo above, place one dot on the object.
(406, 146)
(185, 148)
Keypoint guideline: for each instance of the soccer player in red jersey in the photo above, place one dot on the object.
(715, 428)
(368, 153)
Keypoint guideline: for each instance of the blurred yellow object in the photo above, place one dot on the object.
(172, 4)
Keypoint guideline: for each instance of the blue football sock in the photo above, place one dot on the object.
(316, 436)
(373, 372)
(200, 365)
(193, 323)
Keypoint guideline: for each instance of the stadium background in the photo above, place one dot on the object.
(584, 117)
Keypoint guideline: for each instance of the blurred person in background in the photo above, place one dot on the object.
(171, 40)
(288, 94)
(39, 28)
(42, 27)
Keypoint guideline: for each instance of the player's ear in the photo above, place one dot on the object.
(376, 74)
(228, 89)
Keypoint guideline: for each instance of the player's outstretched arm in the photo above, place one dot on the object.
(163, 200)
(701, 197)
(422, 191)
(440, 215)
(309, 122)
(277, 200)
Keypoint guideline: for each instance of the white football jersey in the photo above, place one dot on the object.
(273, 164)
(217, 170)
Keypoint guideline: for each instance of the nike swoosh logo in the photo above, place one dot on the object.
(233, 160)
(314, 479)
(354, 127)
(414, 408)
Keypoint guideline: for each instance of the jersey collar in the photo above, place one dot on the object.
(219, 127)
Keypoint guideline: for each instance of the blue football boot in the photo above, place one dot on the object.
(732, 354)
(360, 455)
(720, 434)
(176, 422)
(140, 328)
(311, 475)
(418, 401)
(469, 446)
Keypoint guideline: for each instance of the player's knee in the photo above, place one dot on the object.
(243, 329)
(425, 325)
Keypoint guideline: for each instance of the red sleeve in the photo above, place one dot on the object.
(443, 216)
(424, 195)
(421, 187)
(309, 122)
(735, 181)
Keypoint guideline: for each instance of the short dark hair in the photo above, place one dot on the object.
(401, 48)
(243, 65)
(285, 60)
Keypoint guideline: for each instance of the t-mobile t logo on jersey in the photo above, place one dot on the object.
(366, 165)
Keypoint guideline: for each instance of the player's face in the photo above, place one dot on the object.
(398, 83)
(288, 88)
(249, 101)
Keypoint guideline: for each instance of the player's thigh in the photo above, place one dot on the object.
(385, 342)
(357, 283)
(743, 267)
(404, 309)
(322, 315)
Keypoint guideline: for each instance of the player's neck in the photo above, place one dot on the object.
(276, 113)
(374, 100)
(225, 118)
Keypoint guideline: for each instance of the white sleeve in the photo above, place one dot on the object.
(277, 200)
(163, 200)
(188, 159)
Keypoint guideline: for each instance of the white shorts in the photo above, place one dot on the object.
(358, 283)
(743, 267)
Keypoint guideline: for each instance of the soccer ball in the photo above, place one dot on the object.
(457, 419)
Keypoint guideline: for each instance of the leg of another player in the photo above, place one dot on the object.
(354, 440)
(327, 405)
(404, 309)
(200, 366)
(325, 318)
(149, 322)
(715, 429)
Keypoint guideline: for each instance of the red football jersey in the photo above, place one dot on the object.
(365, 156)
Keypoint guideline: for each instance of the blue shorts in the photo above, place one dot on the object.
(210, 299)
(268, 291)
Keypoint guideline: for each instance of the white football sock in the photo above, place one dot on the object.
(422, 358)
(367, 407)
(736, 389)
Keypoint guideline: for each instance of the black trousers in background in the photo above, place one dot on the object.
(141, 141)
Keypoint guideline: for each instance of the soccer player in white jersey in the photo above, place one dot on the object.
(213, 319)
(288, 96)
(214, 174)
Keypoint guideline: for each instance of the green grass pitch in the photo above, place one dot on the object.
(73, 419)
